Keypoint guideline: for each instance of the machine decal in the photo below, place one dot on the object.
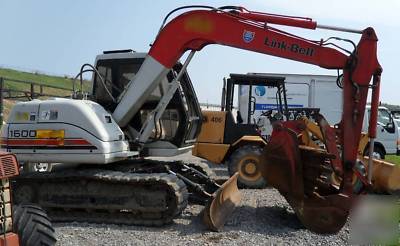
(216, 119)
(40, 133)
(49, 115)
(248, 36)
(199, 24)
(32, 116)
(284, 46)
(45, 115)
(53, 114)
(53, 134)
(46, 143)
(22, 133)
(22, 116)
(260, 91)
(268, 106)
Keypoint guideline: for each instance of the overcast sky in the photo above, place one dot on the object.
(57, 37)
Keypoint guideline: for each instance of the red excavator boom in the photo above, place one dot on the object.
(320, 209)
(250, 31)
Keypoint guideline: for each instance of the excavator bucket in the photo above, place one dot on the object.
(297, 171)
(223, 203)
(322, 214)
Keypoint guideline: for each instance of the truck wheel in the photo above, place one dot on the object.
(38, 167)
(378, 154)
(33, 226)
(246, 161)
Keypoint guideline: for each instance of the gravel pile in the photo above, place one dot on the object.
(264, 217)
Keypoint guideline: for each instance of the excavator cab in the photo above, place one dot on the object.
(178, 127)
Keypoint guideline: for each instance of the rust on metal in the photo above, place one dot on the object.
(329, 138)
(297, 171)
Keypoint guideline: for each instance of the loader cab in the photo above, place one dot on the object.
(179, 124)
(249, 88)
(258, 85)
(262, 100)
(229, 126)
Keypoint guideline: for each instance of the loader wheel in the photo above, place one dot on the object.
(246, 161)
(33, 226)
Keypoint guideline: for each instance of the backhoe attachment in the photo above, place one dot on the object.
(385, 175)
(300, 173)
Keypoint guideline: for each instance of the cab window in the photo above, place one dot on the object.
(384, 117)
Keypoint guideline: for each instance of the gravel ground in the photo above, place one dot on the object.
(263, 217)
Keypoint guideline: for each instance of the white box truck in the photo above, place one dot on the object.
(314, 91)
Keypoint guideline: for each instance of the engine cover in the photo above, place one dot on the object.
(63, 131)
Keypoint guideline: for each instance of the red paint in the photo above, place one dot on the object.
(10, 239)
(227, 29)
(44, 142)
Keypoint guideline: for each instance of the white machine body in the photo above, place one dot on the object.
(64, 130)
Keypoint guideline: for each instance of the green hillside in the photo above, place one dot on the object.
(63, 82)
(21, 90)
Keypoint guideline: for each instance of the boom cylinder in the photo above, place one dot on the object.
(280, 19)
(372, 122)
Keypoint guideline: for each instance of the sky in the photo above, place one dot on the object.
(57, 37)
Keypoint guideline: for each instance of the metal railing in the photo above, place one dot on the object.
(33, 90)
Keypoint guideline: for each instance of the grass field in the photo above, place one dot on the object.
(63, 82)
(393, 159)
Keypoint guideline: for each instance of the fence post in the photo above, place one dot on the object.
(32, 91)
(1, 100)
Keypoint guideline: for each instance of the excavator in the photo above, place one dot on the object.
(102, 138)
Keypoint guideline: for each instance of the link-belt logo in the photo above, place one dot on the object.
(295, 48)
(248, 36)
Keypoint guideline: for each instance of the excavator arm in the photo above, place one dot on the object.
(243, 29)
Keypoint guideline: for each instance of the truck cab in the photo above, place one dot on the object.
(387, 137)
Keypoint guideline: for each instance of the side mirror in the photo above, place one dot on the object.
(380, 124)
(389, 125)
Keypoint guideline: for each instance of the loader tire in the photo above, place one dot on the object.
(246, 161)
(33, 226)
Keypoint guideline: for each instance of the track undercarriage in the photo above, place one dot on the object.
(136, 192)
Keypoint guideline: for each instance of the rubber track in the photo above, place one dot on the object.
(176, 189)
